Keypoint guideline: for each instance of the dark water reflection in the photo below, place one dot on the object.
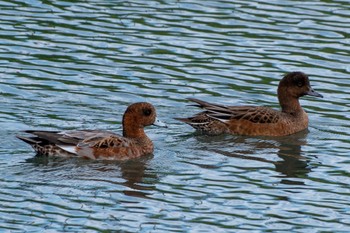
(292, 163)
(135, 179)
(78, 64)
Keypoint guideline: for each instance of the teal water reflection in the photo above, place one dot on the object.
(79, 64)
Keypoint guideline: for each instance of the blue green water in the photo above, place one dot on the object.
(78, 65)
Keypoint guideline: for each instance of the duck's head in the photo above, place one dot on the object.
(140, 115)
(295, 85)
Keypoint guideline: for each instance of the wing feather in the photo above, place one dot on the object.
(111, 141)
(259, 115)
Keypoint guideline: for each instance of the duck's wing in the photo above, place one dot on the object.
(108, 146)
(104, 141)
(52, 137)
(65, 140)
(82, 135)
(260, 115)
(67, 137)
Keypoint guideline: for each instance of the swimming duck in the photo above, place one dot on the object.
(100, 144)
(257, 121)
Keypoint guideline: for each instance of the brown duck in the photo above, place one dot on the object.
(100, 144)
(254, 120)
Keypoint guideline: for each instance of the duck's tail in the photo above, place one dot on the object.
(30, 140)
(46, 148)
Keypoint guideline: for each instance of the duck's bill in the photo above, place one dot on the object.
(159, 123)
(314, 93)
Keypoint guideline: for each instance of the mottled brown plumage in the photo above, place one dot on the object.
(254, 120)
(97, 144)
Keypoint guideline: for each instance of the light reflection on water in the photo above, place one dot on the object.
(68, 65)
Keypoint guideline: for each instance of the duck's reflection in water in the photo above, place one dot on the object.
(293, 163)
(132, 174)
(289, 149)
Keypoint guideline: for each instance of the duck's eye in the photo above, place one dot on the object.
(147, 112)
(300, 83)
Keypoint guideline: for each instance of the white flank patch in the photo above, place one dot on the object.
(70, 149)
(216, 118)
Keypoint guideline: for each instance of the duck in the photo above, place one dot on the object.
(100, 144)
(219, 119)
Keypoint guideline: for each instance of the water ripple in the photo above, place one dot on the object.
(68, 65)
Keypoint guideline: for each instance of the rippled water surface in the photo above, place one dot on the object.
(78, 64)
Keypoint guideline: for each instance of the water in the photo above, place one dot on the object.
(79, 64)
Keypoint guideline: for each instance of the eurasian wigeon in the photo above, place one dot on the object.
(254, 120)
(100, 144)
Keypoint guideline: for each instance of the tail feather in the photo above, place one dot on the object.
(45, 147)
(212, 112)
(204, 104)
(49, 136)
(186, 120)
(30, 140)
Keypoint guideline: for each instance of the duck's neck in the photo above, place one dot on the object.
(132, 129)
(132, 132)
(289, 104)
